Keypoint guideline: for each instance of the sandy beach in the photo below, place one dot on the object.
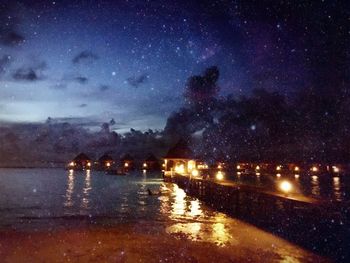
(150, 242)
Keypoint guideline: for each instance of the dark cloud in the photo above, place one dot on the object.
(85, 57)
(5, 61)
(11, 38)
(81, 79)
(9, 34)
(79, 121)
(136, 81)
(104, 87)
(30, 73)
(83, 105)
(201, 89)
(25, 74)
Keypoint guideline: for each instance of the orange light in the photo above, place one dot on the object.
(286, 186)
(145, 165)
(72, 164)
(336, 169)
(195, 173)
(126, 165)
(108, 164)
(296, 168)
(89, 164)
(278, 168)
(180, 169)
(314, 169)
(238, 167)
(219, 175)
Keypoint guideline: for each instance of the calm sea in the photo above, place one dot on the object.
(36, 198)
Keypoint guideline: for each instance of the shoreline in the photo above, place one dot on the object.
(149, 241)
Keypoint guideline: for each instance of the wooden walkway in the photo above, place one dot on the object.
(315, 224)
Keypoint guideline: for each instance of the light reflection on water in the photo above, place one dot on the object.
(70, 189)
(336, 186)
(315, 186)
(86, 190)
(64, 197)
(193, 220)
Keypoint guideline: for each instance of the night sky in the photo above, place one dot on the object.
(87, 62)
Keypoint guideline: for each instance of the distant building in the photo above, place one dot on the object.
(80, 162)
(105, 162)
(179, 159)
(151, 163)
(127, 162)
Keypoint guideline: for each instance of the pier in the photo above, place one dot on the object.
(311, 223)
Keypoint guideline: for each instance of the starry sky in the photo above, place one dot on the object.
(87, 62)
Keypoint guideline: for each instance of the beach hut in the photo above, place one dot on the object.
(151, 163)
(127, 161)
(105, 162)
(179, 159)
(80, 162)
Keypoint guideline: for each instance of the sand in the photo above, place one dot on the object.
(151, 242)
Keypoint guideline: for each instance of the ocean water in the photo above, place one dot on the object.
(32, 199)
(40, 198)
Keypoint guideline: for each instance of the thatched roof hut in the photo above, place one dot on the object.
(179, 159)
(180, 151)
(127, 158)
(81, 161)
(127, 161)
(151, 163)
(151, 158)
(105, 158)
(81, 157)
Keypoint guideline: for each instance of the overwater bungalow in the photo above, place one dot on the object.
(105, 162)
(179, 159)
(151, 163)
(127, 162)
(80, 162)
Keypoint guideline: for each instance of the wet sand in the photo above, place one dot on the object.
(151, 242)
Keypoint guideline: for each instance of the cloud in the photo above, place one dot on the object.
(11, 38)
(104, 87)
(79, 121)
(85, 57)
(202, 88)
(81, 79)
(9, 34)
(136, 81)
(25, 74)
(31, 73)
(59, 86)
(83, 105)
(5, 61)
